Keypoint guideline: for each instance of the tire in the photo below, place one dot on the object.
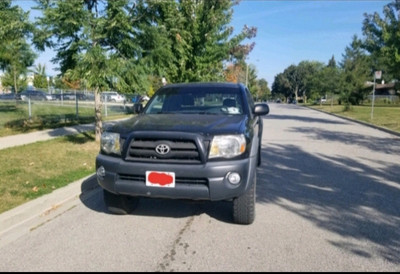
(245, 205)
(119, 204)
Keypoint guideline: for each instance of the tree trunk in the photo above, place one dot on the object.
(15, 81)
(97, 114)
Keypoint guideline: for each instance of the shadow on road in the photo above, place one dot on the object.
(92, 197)
(337, 194)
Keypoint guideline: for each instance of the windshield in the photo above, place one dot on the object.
(196, 100)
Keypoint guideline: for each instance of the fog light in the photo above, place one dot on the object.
(233, 178)
(101, 172)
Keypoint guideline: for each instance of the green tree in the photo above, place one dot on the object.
(198, 36)
(382, 39)
(93, 41)
(263, 91)
(356, 70)
(128, 45)
(281, 86)
(8, 80)
(308, 72)
(16, 54)
(300, 80)
(40, 77)
(324, 81)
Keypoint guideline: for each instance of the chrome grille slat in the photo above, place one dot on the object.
(182, 151)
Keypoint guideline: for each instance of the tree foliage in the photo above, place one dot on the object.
(297, 80)
(40, 77)
(356, 66)
(16, 54)
(263, 91)
(131, 46)
(382, 39)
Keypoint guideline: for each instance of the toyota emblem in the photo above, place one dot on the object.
(162, 149)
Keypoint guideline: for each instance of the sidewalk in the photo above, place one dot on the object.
(32, 137)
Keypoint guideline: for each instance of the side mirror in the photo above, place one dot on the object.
(261, 109)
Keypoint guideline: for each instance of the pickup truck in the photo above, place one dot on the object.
(198, 141)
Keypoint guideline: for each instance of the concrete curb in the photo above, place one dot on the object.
(26, 217)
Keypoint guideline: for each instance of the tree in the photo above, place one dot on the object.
(93, 42)
(263, 91)
(356, 66)
(8, 80)
(40, 77)
(332, 62)
(192, 40)
(281, 86)
(382, 39)
(129, 45)
(15, 53)
(299, 80)
(324, 80)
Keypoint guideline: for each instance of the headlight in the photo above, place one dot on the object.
(110, 143)
(227, 146)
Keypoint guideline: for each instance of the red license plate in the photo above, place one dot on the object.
(160, 179)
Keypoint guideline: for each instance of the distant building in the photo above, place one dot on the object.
(384, 89)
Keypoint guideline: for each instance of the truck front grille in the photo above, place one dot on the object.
(180, 151)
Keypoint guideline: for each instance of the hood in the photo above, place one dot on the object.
(195, 123)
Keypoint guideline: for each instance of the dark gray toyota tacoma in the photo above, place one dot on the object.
(199, 141)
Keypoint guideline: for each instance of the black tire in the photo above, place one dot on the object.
(244, 206)
(119, 204)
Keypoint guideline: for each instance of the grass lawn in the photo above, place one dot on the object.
(32, 170)
(383, 116)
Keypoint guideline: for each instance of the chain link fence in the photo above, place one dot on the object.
(62, 109)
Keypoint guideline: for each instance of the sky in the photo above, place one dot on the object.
(288, 32)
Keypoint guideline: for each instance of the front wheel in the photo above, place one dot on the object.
(119, 204)
(245, 205)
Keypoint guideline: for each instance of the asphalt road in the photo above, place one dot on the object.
(328, 199)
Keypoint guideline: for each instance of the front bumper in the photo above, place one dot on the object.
(196, 182)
